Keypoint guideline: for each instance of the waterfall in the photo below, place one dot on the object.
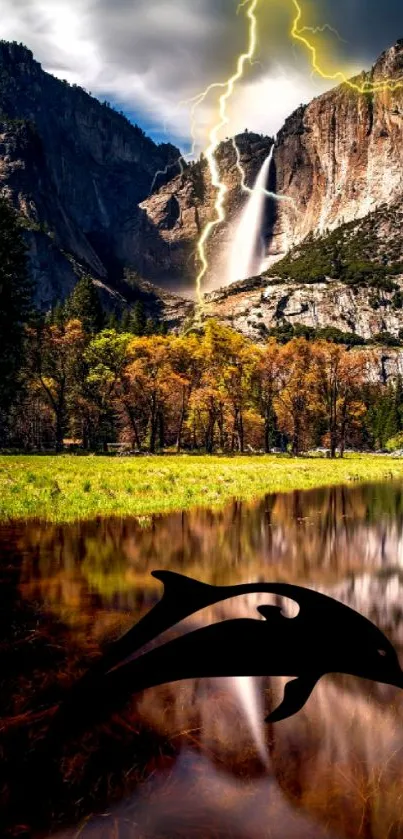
(247, 251)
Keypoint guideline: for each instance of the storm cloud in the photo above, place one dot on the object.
(149, 55)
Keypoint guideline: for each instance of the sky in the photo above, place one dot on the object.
(148, 56)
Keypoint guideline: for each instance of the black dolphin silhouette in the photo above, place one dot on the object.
(325, 637)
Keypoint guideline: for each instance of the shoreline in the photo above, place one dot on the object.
(66, 488)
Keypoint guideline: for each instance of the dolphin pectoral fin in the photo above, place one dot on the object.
(296, 694)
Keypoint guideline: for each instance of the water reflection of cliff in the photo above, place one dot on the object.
(335, 769)
(318, 538)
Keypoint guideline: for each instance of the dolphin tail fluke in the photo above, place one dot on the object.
(296, 694)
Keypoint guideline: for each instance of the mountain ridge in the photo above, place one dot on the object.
(76, 170)
(330, 159)
(83, 179)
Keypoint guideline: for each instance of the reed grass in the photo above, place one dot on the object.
(67, 487)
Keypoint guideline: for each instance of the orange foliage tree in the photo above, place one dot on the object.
(212, 390)
(298, 403)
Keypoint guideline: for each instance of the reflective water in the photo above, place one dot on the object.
(334, 770)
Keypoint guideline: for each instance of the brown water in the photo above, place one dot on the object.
(213, 769)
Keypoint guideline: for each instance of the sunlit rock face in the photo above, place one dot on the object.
(341, 156)
(261, 304)
(193, 198)
(337, 158)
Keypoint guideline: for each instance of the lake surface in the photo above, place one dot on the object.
(209, 764)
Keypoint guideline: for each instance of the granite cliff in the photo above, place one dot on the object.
(349, 280)
(77, 171)
(341, 156)
(338, 158)
(180, 209)
(83, 179)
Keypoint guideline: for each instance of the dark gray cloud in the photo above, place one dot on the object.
(368, 26)
(148, 55)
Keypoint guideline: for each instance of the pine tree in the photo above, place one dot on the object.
(85, 305)
(138, 319)
(125, 321)
(112, 322)
(399, 402)
(149, 327)
(15, 307)
(57, 315)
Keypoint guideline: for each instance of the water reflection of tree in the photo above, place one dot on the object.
(344, 768)
(339, 761)
(317, 537)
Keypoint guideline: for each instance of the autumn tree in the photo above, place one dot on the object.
(54, 352)
(229, 364)
(187, 363)
(106, 359)
(351, 408)
(268, 381)
(206, 414)
(343, 373)
(330, 358)
(210, 390)
(239, 365)
(298, 402)
(151, 385)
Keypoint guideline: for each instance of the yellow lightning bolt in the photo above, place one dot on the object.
(229, 86)
(325, 28)
(165, 171)
(365, 87)
(277, 196)
(195, 101)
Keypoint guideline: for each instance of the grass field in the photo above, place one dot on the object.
(66, 488)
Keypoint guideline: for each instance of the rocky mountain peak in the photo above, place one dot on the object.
(330, 159)
(390, 62)
(83, 178)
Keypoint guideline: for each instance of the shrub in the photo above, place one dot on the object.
(395, 443)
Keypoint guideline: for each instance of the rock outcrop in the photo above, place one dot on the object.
(83, 178)
(337, 159)
(182, 208)
(259, 306)
(340, 157)
(77, 170)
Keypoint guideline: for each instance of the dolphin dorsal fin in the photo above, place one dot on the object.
(192, 593)
(178, 582)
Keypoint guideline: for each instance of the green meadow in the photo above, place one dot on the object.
(67, 487)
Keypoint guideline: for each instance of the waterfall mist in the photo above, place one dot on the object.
(247, 251)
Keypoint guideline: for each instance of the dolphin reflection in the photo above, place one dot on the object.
(325, 637)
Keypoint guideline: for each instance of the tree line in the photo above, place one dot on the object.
(76, 375)
(213, 391)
